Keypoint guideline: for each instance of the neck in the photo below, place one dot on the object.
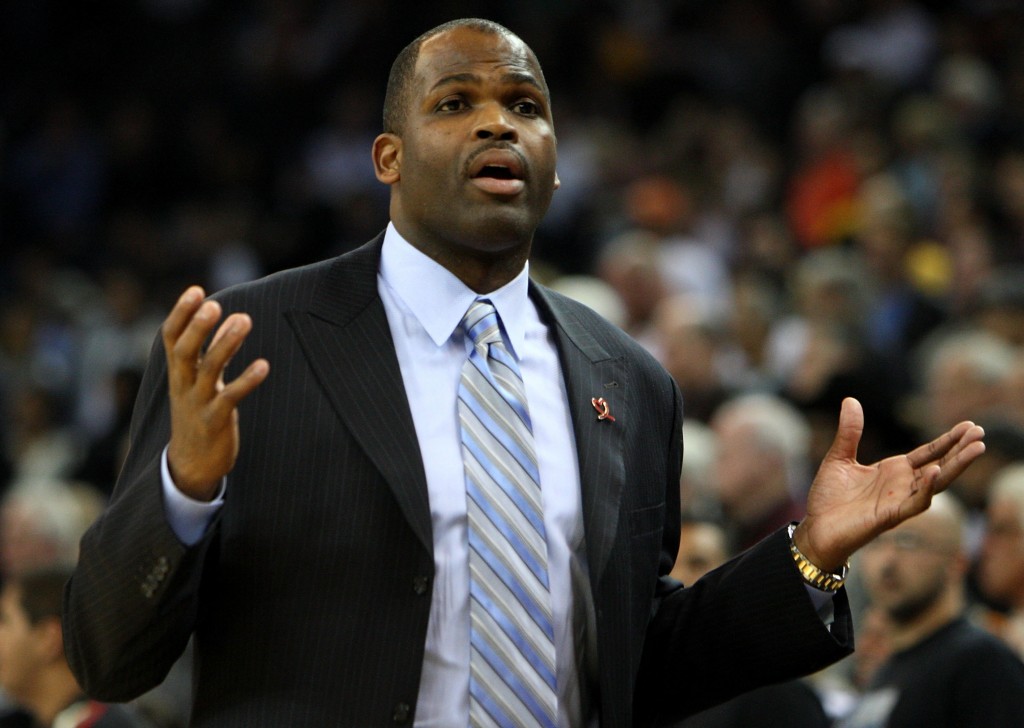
(483, 269)
(944, 610)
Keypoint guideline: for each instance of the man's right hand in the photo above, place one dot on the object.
(204, 410)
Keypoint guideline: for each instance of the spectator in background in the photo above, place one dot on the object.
(944, 671)
(41, 444)
(697, 496)
(692, 256)
(703, 545)
(41, 523)
(688, 340)
(761, 470)
(629, 264)
(999, 305)
(33, 669)
(1013, 390)
(104, 456)
(963, 371)
(1001, 569)
(898, 314)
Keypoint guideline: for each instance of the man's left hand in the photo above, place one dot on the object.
(850, 503)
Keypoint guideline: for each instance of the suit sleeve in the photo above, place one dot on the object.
(748, 623)
(132, 601)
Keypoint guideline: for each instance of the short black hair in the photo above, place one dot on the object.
(396, 98)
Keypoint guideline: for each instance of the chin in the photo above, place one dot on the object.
(499, 231)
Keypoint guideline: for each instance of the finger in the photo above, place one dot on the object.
(922, 490)
(181, 314)
(848, 434)
(958, 463)
(239, 388)
(225, 345)
(940, 446)
(186, 350)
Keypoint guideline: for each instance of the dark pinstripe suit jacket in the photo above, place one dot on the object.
(309, 595)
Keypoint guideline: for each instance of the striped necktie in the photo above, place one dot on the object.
(512, 650)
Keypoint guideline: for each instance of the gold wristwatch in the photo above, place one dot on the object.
(812, 574)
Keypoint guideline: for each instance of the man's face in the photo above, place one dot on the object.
(908, 569)
(19, 647)
(473, 169)
(1001, 569)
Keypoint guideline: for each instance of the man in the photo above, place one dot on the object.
(943, 670)
(760, 464)
(33, 669)
(320, 530)
(1001, 568)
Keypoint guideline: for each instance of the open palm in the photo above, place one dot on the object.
(850, 503)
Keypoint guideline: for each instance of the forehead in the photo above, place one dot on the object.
(466, 50)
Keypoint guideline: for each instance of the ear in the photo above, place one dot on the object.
(558, 182)
(387, 158)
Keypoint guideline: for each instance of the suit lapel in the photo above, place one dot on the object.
(347, 340)
(590, 372)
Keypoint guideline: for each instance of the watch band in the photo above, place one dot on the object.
(813, 575)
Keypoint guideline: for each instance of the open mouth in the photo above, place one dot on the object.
(498, 172)
(495, 171)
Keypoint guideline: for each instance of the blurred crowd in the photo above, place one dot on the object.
(786, 202)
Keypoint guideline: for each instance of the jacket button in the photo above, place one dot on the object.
(420, 585)
(401, 714)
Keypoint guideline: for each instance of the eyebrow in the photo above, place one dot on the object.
(512, 77)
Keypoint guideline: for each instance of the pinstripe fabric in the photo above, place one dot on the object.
(512, 651)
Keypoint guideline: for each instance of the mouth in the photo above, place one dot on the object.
(498, 172)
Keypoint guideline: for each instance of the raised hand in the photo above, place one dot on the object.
(204, 410)
(849, 503)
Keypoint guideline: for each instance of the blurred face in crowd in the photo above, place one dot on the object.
(749, 477)
(701, 548)
(472, 170)
(1001, 568)
(908, 569)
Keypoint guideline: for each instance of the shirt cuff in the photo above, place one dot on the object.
(823, 604)
(188, 517)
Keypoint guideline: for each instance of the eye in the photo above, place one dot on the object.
(526, 107)
(451, 104)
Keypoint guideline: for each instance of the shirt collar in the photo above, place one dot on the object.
(438, 300)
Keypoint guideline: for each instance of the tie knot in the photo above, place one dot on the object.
(481, 324)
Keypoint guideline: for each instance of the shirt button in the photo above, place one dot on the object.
(420, 585)
(401, 714)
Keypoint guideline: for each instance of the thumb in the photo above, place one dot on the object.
(851, 427)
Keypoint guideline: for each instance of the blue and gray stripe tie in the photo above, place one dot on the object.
(512, 650)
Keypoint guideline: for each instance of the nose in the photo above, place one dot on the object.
(493, 123)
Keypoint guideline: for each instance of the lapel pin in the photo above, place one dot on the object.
(601, 405)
